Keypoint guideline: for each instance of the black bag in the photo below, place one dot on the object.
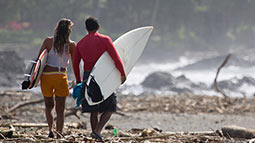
(94, 90)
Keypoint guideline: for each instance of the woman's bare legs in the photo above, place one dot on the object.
(60, 108)
(49, 105)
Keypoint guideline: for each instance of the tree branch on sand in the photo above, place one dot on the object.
(74, 112)
(217, 74)
(19, 105)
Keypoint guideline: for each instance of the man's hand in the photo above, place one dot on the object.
(77, 82)
(123, 79)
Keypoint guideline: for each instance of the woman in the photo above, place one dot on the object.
(54, 78)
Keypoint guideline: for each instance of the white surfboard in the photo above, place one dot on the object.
(129, 47)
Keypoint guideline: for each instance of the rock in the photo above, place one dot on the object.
(235, 83)
(182, 79)
(11, 66)
(158, 80)
(166, 82)
(231, 84)
(238, 132)
(10, 62)
(247, 80)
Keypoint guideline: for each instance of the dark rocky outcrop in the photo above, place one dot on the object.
(167, 82)
(11, 66)
(235, 83)
(158, 80)
(163, 81)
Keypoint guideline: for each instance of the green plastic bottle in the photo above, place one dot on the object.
(115, 132)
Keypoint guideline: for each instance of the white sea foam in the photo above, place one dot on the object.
(140, 72)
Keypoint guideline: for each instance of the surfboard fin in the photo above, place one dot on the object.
(27, 75)
(33, 61)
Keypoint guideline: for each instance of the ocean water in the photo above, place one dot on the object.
(141, 71)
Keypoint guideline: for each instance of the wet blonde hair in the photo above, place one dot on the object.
(62, 34)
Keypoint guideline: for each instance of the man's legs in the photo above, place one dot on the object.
(93, 120)
(104, 118)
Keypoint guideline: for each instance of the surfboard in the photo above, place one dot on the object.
(35, 72)
(129, 47)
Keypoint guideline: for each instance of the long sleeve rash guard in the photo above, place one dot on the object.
(90, 48)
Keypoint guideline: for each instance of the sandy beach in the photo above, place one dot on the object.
(179, 113)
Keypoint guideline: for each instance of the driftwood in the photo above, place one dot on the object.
(218, 71)
(72, 111)
(238, 132)
(135, 135)
(7, 133)
(29, 125)
(19, 105)
(121, 114)
(167, 135)
(75, 125)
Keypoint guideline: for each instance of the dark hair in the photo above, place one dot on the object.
(91, 24)
(62, 34)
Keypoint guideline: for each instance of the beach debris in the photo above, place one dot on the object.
(252, 140)
(74, 111)
(24, 103)
(77, 125)
(6, 132)
(31, 128)
(238, 132)
(217, 74)
(187, 103)
(148, 132)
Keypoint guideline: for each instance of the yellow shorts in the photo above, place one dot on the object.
(54, 84)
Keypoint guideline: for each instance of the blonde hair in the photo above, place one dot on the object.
(62, 34)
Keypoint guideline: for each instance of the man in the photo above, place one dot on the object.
(89, 49)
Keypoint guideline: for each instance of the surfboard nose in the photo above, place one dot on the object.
(146, 28)
(150, 28)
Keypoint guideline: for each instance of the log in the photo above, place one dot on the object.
(22, 104)
(7, 133)
(167, 135)
(238, 132)
(217, 74)
(121, 114)
(30, 125)
(72, 111)
(41, 125)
